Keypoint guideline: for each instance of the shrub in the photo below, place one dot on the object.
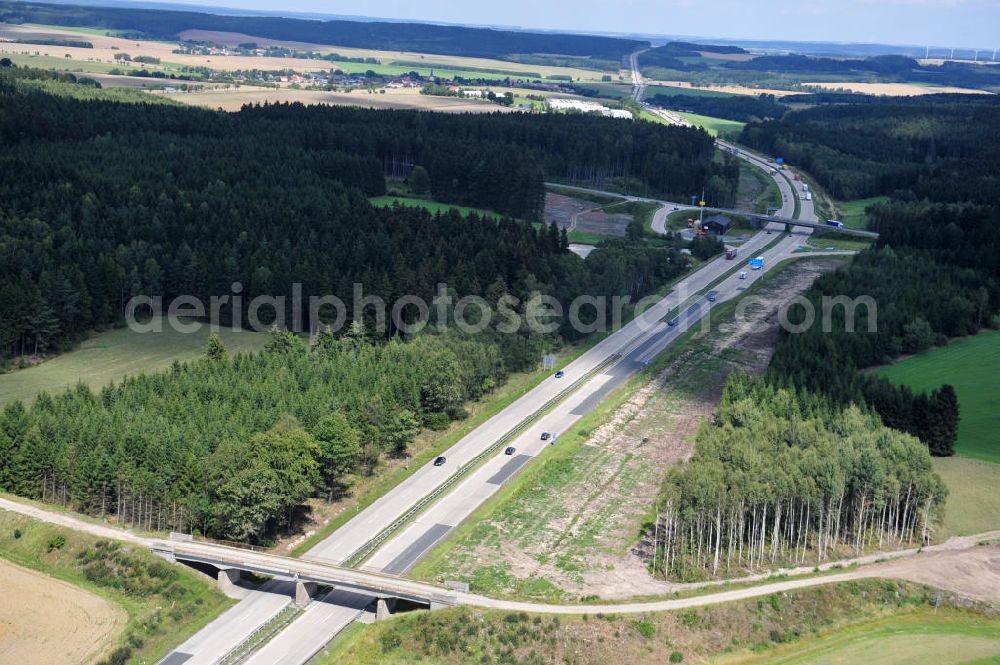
(676, 657)
(56, 543)
(17, 534)
(645, 628)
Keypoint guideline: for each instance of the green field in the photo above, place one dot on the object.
(109, 356)
(852, 213)
(713, 126)
(972, 366)
(973, 504)
(433, 206)
(924, 637)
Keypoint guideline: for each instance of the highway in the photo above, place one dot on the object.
(598, 371)
(637, 85)
(636, 343)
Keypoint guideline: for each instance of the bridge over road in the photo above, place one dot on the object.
(307, 575)
(758, 219)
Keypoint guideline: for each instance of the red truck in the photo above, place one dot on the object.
(730, 254)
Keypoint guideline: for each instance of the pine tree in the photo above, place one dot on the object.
(216, 350)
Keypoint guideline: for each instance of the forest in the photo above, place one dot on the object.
(905, 147)
(102, 201)
(781, 477)
(934, 272)
(232, 446)
(390, 36)
(742, 108)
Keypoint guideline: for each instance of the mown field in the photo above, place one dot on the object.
(164, 603)
(109, 356)
(973, 504)
(852, 213)
(972, 366)
(713, 126)
(433, 206)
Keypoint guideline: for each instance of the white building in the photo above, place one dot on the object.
(560, 104)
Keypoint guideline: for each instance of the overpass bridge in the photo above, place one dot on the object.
(761, 221)
(757, 219)
(307, 575)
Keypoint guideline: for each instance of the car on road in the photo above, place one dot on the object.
(560, 374)
(712, 296)
(672, 322)
(509, 450)
(439, 461)
(743, 274)
(675, 208)
(546, 436)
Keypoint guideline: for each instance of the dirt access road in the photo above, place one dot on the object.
(44, 620)
(960, 565)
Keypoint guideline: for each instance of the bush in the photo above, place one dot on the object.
(17, 534)
(676, 657)
(56, 543)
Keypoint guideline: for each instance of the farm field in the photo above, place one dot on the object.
(391, 62)
(44, 620)
(685, 88)
(111, 355)
(713, 126)
(924, 637)
(971, 365)
(893, 89)
(233, 99)
(106, 598)
(852, 213)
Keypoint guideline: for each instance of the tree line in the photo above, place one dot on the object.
(104, 201)
(934, 272)
(389, 36)
(783, 477)
(232, 446)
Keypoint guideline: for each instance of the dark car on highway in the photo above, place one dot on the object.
(559, 374)
(509, 450)
(546, 436)
(439, 461)
(712, 296)
(672, 322)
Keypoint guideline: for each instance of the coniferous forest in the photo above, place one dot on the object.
(104, 200)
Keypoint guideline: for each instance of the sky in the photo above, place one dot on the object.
(947, 23)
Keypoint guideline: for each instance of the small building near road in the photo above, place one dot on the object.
(718, 224)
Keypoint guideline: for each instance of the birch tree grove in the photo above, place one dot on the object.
(780, 478)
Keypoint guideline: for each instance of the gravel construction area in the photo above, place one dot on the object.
(44, 620)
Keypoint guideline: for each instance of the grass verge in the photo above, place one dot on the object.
(756, 630)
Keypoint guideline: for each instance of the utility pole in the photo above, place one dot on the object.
(701, 217)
